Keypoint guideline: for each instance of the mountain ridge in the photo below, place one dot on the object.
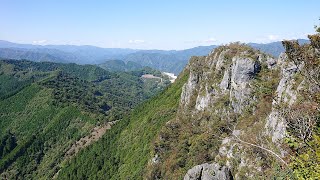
(172, 61)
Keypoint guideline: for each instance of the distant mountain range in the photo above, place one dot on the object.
(274, 48)
(70, 53)
(169, 61)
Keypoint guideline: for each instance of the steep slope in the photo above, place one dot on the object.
(230, 89)
(47, 107)
(234, 114)
(125, 150)
(245, 115)
(42, 132)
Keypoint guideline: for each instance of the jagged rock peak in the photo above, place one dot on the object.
(233, 112)
(228, 68)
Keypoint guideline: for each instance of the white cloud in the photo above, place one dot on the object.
(210, 40)
(137, 41)
(272, 37)
(40, 42)
(206, 41)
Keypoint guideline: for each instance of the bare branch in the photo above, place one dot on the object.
(255, 145)
(263, 148)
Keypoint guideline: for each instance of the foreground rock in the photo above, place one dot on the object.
(208, 172)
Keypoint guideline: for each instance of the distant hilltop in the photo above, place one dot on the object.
(172, 61)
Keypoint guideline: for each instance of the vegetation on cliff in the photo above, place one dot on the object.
(303, 117)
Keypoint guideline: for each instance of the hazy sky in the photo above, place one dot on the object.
(155, 24)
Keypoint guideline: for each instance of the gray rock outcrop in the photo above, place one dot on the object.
(241, 91)
(208, 172)
(275, 124)
(243, 69)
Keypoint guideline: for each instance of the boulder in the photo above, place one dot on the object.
(208, 172)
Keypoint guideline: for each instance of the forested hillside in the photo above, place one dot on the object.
(125, 150)
(118, 65)
(46, 107)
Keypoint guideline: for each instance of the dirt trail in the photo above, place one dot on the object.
(96, 133)
(94, 136)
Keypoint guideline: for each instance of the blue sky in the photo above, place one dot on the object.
(155, 24)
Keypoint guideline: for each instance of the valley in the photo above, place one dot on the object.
(159, 90)
(60, 119)
(48, 108)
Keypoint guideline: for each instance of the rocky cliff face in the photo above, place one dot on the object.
(230, 120)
